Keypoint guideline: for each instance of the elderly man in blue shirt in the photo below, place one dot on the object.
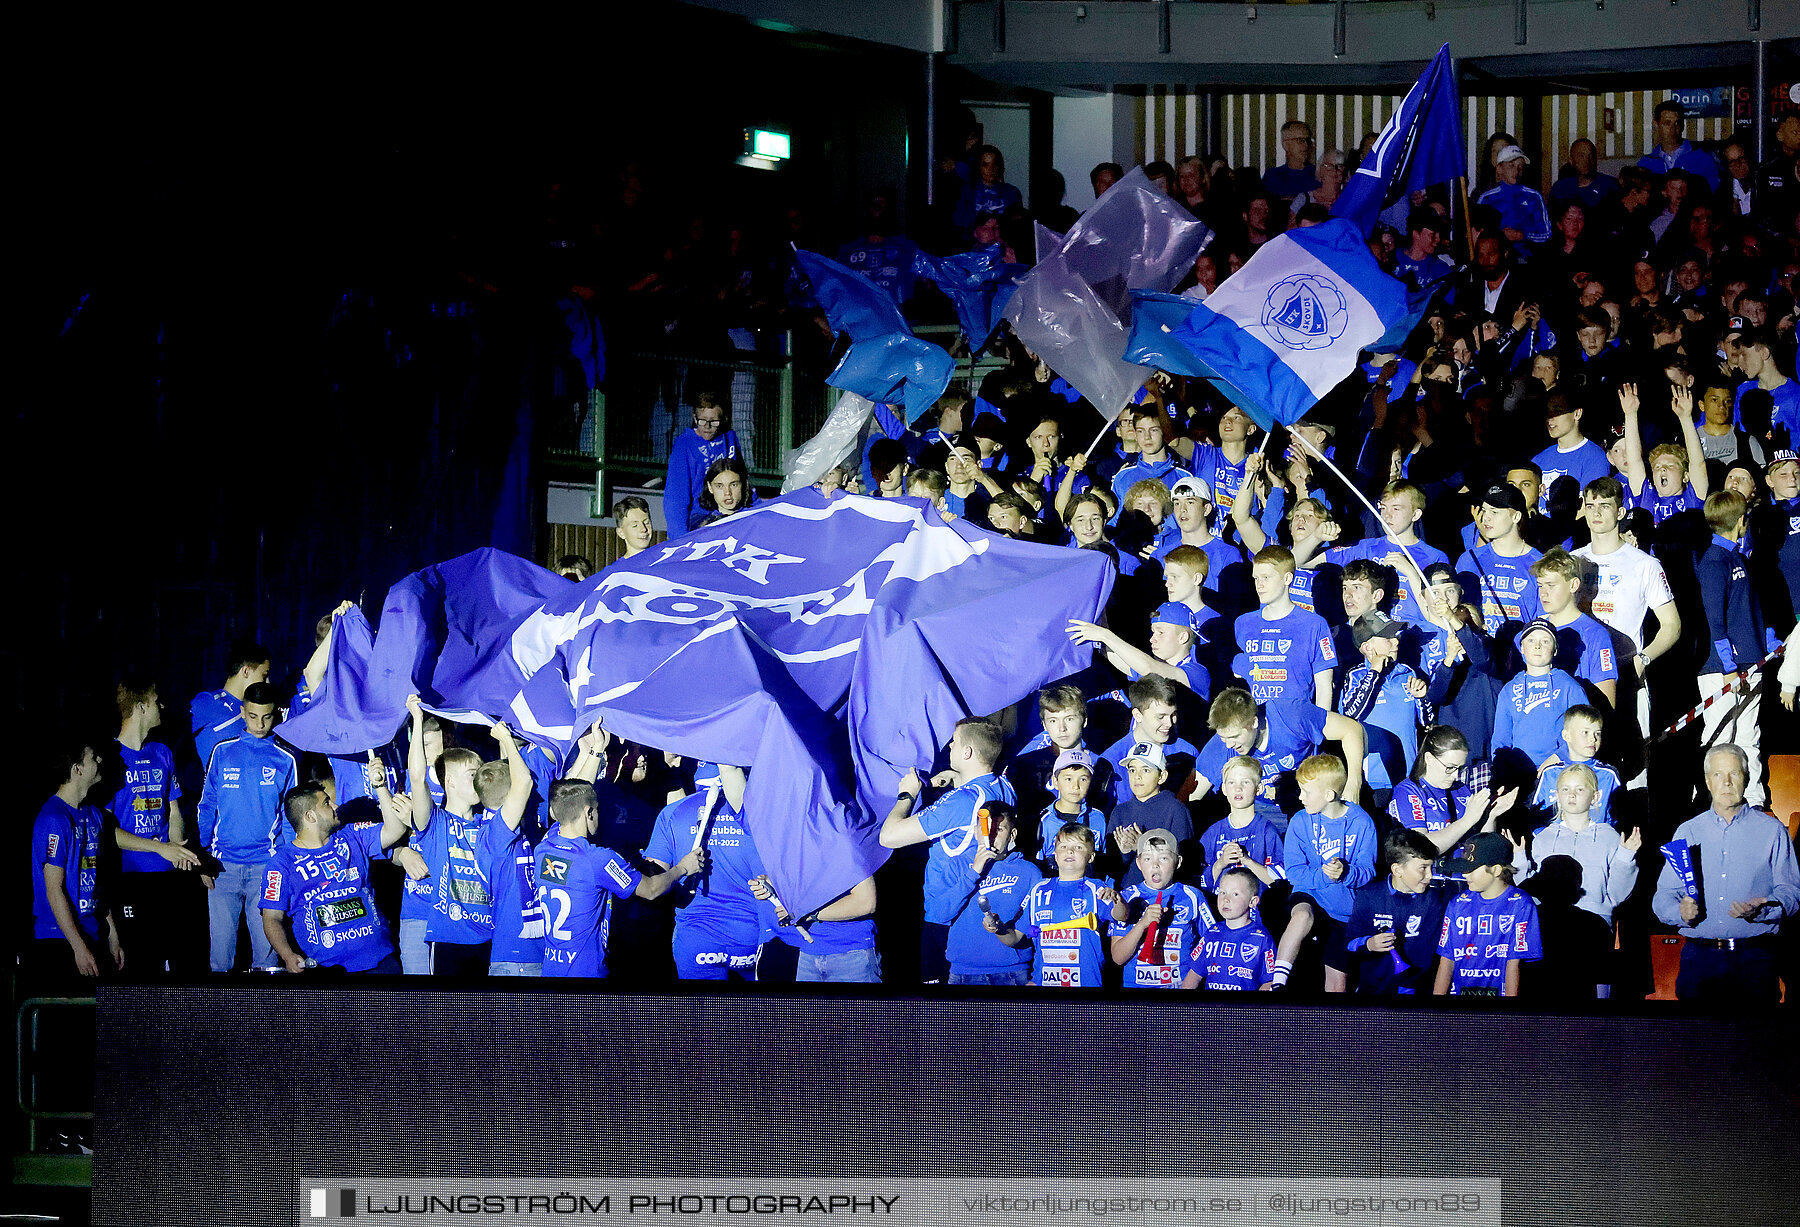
(1749, 883)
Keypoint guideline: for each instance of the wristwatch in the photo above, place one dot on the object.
(1643, 659)
(907, 796)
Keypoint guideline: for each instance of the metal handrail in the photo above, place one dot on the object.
(27, 1100)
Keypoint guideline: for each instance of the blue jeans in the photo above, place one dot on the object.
(844, 967)
(1018, 977)
(237, 893)
(501, 968)
(415, 951)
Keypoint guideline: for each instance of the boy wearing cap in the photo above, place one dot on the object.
(1391, 937)
(1528, 718)
(1226, 574)
(1279, 735)
(1171, 654)
(1501, 569)
(1387, 698)
(1147, 808)
(1064, 916)
(1523, 217)
(1286, 652)
(1584, 645)
(1236, 952)
(1168, 916)
(1570, 454)
(1329, 851)
(1072, 776)
(1776, 570)
(982, 946)
(1489, 929)
(1243, 837)
(1581, 731)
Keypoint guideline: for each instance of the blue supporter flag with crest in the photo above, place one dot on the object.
(827, 644)
(1283, 330)
(886, 363)
(1421, 146)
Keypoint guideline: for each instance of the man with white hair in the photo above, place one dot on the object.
(1745, 871)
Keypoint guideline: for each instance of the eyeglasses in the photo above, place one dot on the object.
(1451, 768)
(700, 421)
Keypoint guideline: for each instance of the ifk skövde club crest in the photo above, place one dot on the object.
(1305, 311)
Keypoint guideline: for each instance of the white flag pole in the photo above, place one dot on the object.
(1364, 500)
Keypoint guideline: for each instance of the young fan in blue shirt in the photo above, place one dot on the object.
(1164, 918)
(1235, 953)
(1065, 916)
(696, 450)
(1172, 649)
(718, 920)
(1330, 851)
(1148, 808)
(1528, 718)
(1073, 777)
(1243, 837)
(1279, 735)
(1435, 802)
(1581, 733)
(215, 715)
(503, 854)
(460, 925)
(1155, 720)
(1489, 929)
(1391, 938)
(1584, 644)
(984, 946)
(320, 883)
(65, 868)
(1285, 652)
(150, 830)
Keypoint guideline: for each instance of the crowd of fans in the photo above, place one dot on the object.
(1371, 708)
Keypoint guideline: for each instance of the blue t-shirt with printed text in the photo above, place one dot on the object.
(1405, 602)
(718, 901)
(577, 881)
(1235, 960)
(329, 899)
(69, 838)
(506, 859)
(969, 947)
(954, 828)
(462, 903)
(1185, 916)
(1585, 462)
(1281, 655)
(141, 806)
(1507, 587)
(1294, 732)
(1260, 840)
(1480, 936)
(1067, 924)
(1426, 807)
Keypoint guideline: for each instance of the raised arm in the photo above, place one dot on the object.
(1634, 439)
(314, 673)
(902, 828)
(416, 766)
(1250, 529)
(1682, 401)
(518, 793)
(1123, 656)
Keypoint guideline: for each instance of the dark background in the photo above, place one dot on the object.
(1587, 1120)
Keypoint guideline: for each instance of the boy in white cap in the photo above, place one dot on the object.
(1147, 808)
(1523, 217)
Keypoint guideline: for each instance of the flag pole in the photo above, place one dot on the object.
(1462, 185)
(1364, 499)
(1111, 422)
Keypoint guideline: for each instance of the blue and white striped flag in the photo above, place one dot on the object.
(1286, 328)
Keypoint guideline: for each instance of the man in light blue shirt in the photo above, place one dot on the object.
(1749, 883)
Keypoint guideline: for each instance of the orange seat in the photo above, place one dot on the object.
(1665, 964)
(1784, 790)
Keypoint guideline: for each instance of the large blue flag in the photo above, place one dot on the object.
(802, 638)
(978, 283)
(1286, 328)
(886, 363)
(1421, 145)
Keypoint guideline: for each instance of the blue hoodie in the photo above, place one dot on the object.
(240, 817)
(688, 461)
(1314, 839)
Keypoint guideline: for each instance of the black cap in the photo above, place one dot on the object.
(1375, 625)
(1480, 852)
(1505, 496)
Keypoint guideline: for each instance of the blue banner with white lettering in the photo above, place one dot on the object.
(828, 644)
(886, 363)
(1422, 145)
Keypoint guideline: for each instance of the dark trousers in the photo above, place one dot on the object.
(460, 962)
(1712, 974)
(934, 967)
(161, 920)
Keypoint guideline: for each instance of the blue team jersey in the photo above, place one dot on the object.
(722, 903)
(1585, 648)
(1545, 796)
(1508, 588)
(1584, 463)
(969, 947)
(1294, 731)
(1421, 273)
(141, 806)
(1237, 960)
(1163, 965)
(1260, 840)
(1480, 936)
(1521, 208)
(214, 715)
(1212, 466)
(239, 818)
(1787, 406)
(462, 905)
(328, 898)
(68, 838)
(1661, 506)
(576, 883)
(1281, 655)
(1426, 807)
(1405, 605)
(1066, 922)
(953, 824)
(888, 262)
(505, 858)
(1051, 821)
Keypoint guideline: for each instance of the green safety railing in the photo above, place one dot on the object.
(34, 1167)
(624, 435)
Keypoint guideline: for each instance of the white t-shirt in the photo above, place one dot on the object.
(1630, 583)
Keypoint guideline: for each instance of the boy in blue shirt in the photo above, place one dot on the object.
(459, 928)
(217, 714)
(1570, 453)
(1286, 652)
(1063, 713)
(578, 879)
(65, 869)
(1386, 697)
(1523, 218)
(1074, 773)
(1236, 952)
(1402, 506)
(1500, 569)
(1330, 851)
(978, 948)
(239, 820)
(1528, 718)
(1584, 644)
(1243, 837)
(719, 921)
(957, 826)
(320, 882)
(1391, 938)
(1064, 917)
(695, 451)
(503, 853)
(1153, 720)
(1279, 735)
(1169, 917)
(1171, 654)
(1581, 731)
(1489, 929)
(151, 832)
